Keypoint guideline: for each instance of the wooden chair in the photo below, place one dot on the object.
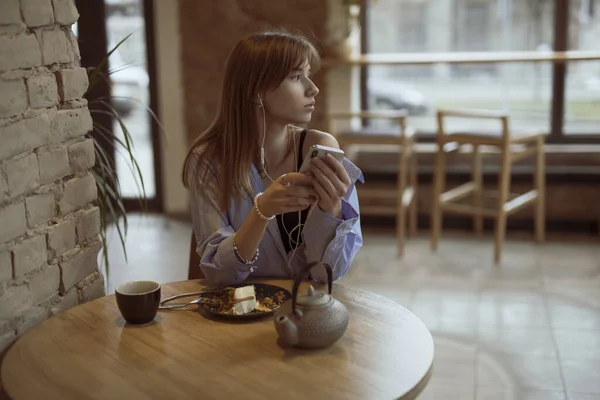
(194, 271)
(406, 193)
(512, 148)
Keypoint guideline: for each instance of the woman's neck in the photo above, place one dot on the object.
(276, 143)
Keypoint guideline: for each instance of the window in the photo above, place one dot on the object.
(582, 82)
(530, 91)
(130, 92)
(101, 26)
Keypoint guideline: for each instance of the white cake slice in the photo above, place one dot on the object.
(247, 305)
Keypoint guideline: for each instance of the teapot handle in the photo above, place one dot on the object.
(301, 275)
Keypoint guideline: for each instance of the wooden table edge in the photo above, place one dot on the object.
(410, 395)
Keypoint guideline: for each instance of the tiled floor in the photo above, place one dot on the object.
(526, 329)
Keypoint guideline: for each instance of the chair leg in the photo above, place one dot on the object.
(401, 212)
(504, 187)
(413, 183)
(438, 188)
(476, 177)
(540, 185)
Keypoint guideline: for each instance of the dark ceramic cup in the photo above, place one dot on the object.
(138, 301)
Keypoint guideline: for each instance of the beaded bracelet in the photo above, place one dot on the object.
(261, 215)
(241, 259)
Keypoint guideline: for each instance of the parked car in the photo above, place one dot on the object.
(123, 7)
(387, 93)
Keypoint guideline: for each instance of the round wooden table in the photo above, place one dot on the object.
(88, 352)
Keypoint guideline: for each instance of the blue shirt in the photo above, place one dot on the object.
(325, 237)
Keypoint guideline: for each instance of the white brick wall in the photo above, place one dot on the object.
(22, 175)
(29, 255)
(65, 11)
(5, 266)
(73, 46)
(88, 224)
(54, 164)
(37, 12)
(72, 83)
(21, 51)
(45, 284)
(43, 91)
(78, 192)
(11, 14)
(79, 266)
(54, 47)
(82, 156)
(24, 135)
(3, 187)
(92, 287)
(66, 301)
(40, 208)
(61, 238)
(49, 227)
(16, 300)
(13, 220)
(14, 97)
(32, 318)
(71, 124)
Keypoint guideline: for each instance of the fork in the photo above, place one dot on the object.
(195, 301)
(181, 305)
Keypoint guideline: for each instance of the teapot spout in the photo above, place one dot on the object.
(287, 330)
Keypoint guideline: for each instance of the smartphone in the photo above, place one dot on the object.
(320, 151)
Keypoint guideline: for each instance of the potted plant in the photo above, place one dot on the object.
(109, 199)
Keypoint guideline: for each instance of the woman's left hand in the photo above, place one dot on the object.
(331, 181)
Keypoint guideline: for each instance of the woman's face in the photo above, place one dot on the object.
(293, 101)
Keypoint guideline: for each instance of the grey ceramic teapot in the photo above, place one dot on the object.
(312, 319)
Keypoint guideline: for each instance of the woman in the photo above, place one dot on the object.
(250, 206)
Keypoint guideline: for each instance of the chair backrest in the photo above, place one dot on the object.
(399, 115)
(445, 113)
(194, 271)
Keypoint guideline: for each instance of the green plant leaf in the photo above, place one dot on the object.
(93, 75)
(109, 199)
(148, 109)
(137, 171)
(110, 194)
(114, 214)
(128, 142)
(105, 133)
(113, 181)
(103, 226)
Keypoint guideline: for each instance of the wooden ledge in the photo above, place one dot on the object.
(459, 58)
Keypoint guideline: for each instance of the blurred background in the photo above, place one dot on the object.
(483, 26)
(435, 28)
(524, 325)
(528, 328)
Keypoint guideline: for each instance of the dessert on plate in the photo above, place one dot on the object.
(244, 300)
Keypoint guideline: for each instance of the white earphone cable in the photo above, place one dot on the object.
(262, 146)
(300, 225)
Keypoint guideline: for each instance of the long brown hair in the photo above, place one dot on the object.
(229, 146)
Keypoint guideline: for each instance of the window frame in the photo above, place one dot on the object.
(556, 135)
(93, 47)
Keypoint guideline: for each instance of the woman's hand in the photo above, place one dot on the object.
(290, 192)
(331, 182)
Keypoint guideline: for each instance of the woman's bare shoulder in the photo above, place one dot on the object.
(314, 136)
